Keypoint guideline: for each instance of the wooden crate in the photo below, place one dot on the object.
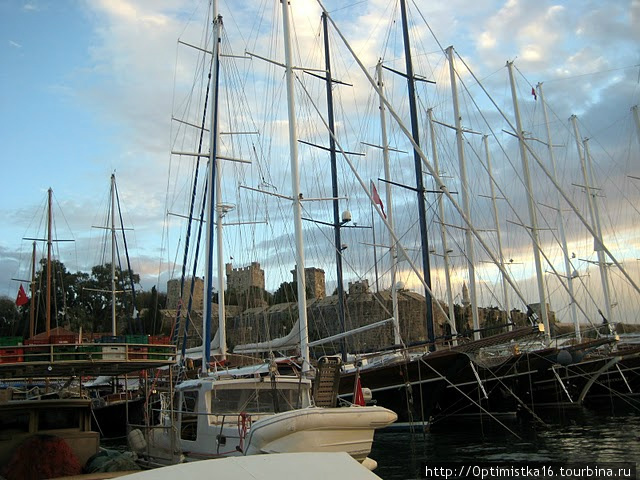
(137, 353)
(11, 355)
(113, 353)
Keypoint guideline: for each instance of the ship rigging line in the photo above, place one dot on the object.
(555, 184)
(432, 171)
(471, 399)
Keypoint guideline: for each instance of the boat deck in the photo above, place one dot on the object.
(82, 359)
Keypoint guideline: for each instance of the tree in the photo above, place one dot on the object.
(286, 292)
(84, 300)
(97, 298)
(66, 302)
(151, 304)
(11, 319)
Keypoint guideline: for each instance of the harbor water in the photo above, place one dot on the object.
(568, 436)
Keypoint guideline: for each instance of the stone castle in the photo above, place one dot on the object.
(361, 306)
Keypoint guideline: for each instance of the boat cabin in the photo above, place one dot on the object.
(219, 411)
(68, 419)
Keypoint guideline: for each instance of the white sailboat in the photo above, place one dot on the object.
(242, 412)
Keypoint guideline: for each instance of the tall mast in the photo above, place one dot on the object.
(220, 212)
(471, 261)
(211, 181)
(393, 250)
(295, 188)
(113, 254)
(593, 213)
(334, 184)
(604, 273)
(533, 218)
(496, 220)
(636, 117)
(563, 238)
(49, 241)
(443, 228)
(422, 214)
(32, 310)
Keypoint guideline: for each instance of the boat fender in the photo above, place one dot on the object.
(136, 440)
(370, 463)
(564, 358)
(577, 356)
(368, 396)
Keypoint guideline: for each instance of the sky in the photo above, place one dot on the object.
(88, 88)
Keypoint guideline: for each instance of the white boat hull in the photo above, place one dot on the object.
(314, 429)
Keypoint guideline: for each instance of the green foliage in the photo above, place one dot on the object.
(288, 292)
(84, 300)
(253, 297)
(150, 305)
(12, 318)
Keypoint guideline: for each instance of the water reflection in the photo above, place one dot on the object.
(577, 435)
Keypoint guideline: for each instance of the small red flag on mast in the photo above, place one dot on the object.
(377, 199)
(22, 298)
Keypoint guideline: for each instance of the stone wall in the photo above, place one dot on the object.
(362, 307)
(173, 293)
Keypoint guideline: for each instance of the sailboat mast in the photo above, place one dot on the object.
(393, 250)
(32, 309)
(113, 255)
(593, 214)
(604, 273)
(636, 117)
(422, 214)
(563, 238)
(471, 261)
(533, 218)
(334, 185)
(295, 188)
(211, 181)
(496, 219)
(222, 324)
(49, 244)
(443, 229)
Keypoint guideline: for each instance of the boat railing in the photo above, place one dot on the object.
(50, 353)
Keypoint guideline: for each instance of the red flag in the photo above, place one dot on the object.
(359, 396)
(22, 298)
(376, 198)
(533, 92)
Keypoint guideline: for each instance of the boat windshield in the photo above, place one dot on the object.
(252, 400)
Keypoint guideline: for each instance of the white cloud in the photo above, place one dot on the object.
(133, 61)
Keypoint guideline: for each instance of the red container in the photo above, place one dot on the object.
(159, 340)
(62, 339)
(137, 353)
(11, 355)
(36, 341)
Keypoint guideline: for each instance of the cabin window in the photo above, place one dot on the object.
(251, 400)
(189, 422)
(14, 422)
(59, 418)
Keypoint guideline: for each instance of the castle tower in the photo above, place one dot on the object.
(314, 278)
(465, 296)
(242, 279)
